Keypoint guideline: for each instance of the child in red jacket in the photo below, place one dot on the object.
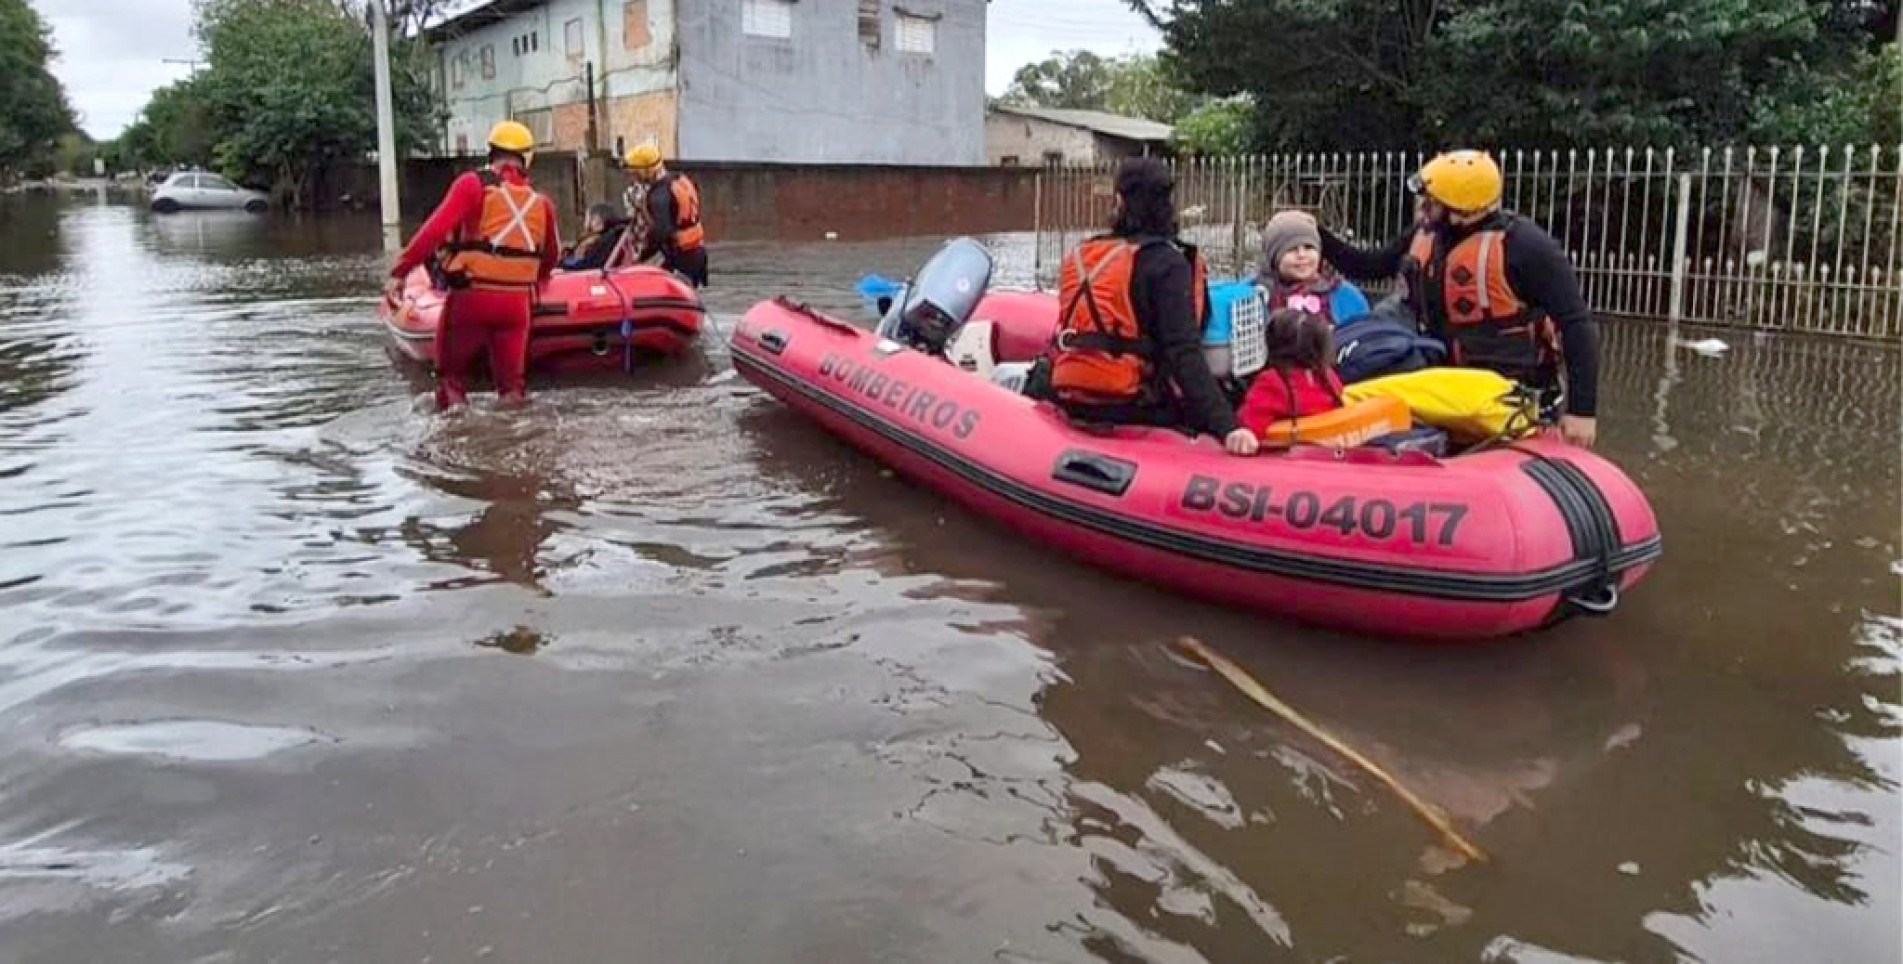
(1300, 377)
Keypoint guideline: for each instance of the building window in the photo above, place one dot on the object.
(462, 142)
(488, 62)
(869, 23)
(535, 40)
(1053, 158)
(767, 18)
(571, 38)
(541, 123)
(1009, 160)
(917, 35)
(458, 65)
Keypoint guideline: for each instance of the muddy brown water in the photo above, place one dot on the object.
(656, 671)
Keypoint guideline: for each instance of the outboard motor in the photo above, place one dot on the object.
(929, 310)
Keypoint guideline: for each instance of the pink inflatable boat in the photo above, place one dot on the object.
(1468, 547)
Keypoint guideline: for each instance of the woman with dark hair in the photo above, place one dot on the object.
(1132, 306)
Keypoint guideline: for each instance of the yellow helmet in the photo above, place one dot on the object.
(512, 136)
(1466, 182)
(643, 157)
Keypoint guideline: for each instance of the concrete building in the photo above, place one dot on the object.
(796, 81)
(1046, 135)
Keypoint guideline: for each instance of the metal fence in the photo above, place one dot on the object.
(1779, 238)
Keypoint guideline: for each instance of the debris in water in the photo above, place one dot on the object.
(1706, 346)
(1255, 691)
(1629, 868)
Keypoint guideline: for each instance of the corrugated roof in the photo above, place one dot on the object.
(467, 18)
(1113, 125)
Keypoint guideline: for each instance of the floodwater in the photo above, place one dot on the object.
(656, 671)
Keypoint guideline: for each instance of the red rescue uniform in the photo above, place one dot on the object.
(497, 240)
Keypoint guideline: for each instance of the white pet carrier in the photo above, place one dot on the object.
(1248, 335)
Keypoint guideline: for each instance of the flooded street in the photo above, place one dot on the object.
(655, 670)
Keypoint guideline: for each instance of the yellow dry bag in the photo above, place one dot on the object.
(1469, 404)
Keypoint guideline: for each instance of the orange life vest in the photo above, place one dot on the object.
(1102, 355)
(1483, 320)
(512, 234)
(688, 234)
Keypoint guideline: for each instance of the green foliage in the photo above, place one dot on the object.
(1136, 86)
(290, 88)
(1078, 80)
(75, 153)
(1863, 105)
(1324, 73)
(1345, 74)
(173, 130)
(33, 108)
(1615, 72)
(1141, 87)
(1220, 128)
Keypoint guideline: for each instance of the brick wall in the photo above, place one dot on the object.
(755, 201)
(857, 202)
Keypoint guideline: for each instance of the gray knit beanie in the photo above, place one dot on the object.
(1287, 229)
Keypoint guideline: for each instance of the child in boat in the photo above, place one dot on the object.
(1299, 379)
(1293, 274)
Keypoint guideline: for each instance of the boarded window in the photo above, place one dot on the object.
(917, 35)
(488, 62)
(572, 38)
(635, 34)
(869, 29)
(767, 18)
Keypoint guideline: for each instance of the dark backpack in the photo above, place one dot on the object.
(1383, 342)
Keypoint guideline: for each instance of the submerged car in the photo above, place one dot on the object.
(200, 190)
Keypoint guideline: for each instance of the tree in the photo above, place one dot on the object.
(173, 129)
(1614, 72)
(1348, 74)
(1141, 87)
(289, 89)
(33, 108)
(1078, 80)
(1135, 86)
(1323, 75)
(1220, 128)
(74, 153)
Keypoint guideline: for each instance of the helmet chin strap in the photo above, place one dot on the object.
(1459, 219)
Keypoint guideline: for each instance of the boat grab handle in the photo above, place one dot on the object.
(1098, 473)
(773, 341)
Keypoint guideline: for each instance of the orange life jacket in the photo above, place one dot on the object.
(688, 234)
(1102, 355)
(1483, 320)
(512, 234)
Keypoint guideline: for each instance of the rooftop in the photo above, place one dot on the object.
(461, 18)
(1112, 125)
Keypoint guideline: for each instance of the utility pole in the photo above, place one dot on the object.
(386, 130)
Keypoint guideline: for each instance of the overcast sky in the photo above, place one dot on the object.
(113, 53)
